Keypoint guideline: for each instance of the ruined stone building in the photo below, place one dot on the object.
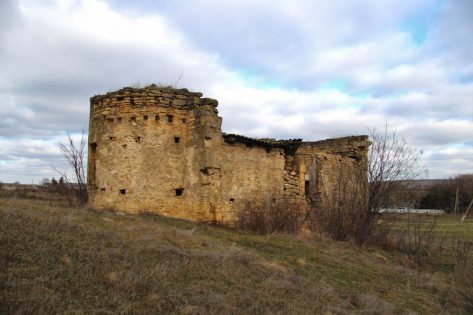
(162, 150)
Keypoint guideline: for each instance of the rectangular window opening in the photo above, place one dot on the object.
(119, 119)
(232, 200)
(183, 120)
(307, 188)
(102, 189)
(170, 118)
(132, 101)
(110, 119)
(179, 191)
(156, 117)
(177, 139)
(122, 191)
(133, 118)
(120, 98)
(93, 162)
(145, 117)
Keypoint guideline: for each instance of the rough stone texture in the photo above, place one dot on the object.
(162, 150)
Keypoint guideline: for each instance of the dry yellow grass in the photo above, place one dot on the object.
(56, 259)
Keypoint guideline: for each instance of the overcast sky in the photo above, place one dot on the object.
(280, 69)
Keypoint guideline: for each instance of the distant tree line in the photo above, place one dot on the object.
(443, 194)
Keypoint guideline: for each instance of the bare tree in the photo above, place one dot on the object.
(350, 207)
(74, 154)
(342, 213)
(390, 160)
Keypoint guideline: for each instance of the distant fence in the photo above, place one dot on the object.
(412, 211)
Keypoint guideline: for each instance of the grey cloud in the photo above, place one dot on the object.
(279, 39)
(8, 17)
(439, 133)
(448, 101)
(454, 28)
(442, 165)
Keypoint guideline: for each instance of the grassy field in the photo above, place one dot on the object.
(58, 259)
(451, 227)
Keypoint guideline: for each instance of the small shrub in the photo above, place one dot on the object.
(268, 217)
(343, 212)
(418, 238)
(463, 255)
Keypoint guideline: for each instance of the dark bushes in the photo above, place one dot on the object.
(268, 217)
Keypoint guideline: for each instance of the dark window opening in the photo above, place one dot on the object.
(208, 138)
(110, 119)
(119, 119)
(92, 157)
(102, 189)
(232, 200)
(145, 117)
(307, 188)
(138, 139)
(132, 101)
(183, 120)
(177, 139)
(133, 118)
(124, 145)
(170, 118)
(156, 117)
(122, 191)
(120, 98)
(179, 191)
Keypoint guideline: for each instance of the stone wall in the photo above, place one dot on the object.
(249, 174)
(145, 151)
(162, 150)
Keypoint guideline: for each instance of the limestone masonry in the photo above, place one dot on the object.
(162, 150)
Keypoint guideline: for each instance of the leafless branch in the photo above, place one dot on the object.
(74, 154)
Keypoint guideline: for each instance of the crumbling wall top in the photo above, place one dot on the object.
(289, 145)
(338, 141)
(355, 147)
(163, 95)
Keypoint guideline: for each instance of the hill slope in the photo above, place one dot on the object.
(56, 259)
